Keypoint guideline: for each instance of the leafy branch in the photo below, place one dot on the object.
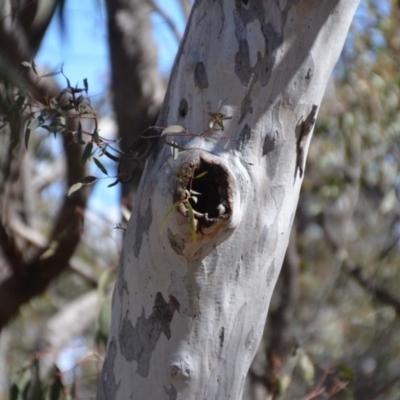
(190, 197)
(140, 149)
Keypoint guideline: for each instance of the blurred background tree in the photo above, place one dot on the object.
(334, 321)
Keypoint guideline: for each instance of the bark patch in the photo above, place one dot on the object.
(137, 343)
(243, 68)
(273, 141)
(122, 284)
(244, 137)
(272, 40)
(176, 242)
(212, 261)
(174, 303)
(271, 273)
(183, 108)
(262, 238)
(200, 76)
(223, 375)
(142, 226)
(221, 337)
(250, 340)
(268, 240)
(186, 293)
(171, 392)
(108, 387)
(270, 33)
(278, 193)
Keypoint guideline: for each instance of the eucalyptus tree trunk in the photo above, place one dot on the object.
(217, 199)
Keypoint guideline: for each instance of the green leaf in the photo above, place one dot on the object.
(35, 388)
(33, 124)
(306, 367)
(100, 166)
(345, 373)
(62, 2)
(173, 130)
(103, 322)
(114, 183)
(388, 202)
(56, 388)
(175, 145)
(170, 211)
(21, 383)
(72, 391)
(74, 188)
(26, 64)
(86, 154)
(192, 222)
(27, 135)
(33, 65)
(220, 124)
(86, 85)
(174, 149)
(201, 174)
(14, 391)
(96, 137)
(88, 180)
(50, 74)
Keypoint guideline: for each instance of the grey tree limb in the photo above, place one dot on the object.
(136, 83)
(194, 288)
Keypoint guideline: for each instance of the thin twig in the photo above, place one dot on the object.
(385, 388)
(378, 291)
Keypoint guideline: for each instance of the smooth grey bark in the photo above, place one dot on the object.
(188, 315)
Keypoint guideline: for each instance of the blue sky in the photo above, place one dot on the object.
(82, 50)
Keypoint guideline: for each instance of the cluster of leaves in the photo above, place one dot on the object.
(28, 385)
(52, 115)
(186, 175)
(218, 118)
(68, 113)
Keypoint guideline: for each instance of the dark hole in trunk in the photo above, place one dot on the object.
(213, 189)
